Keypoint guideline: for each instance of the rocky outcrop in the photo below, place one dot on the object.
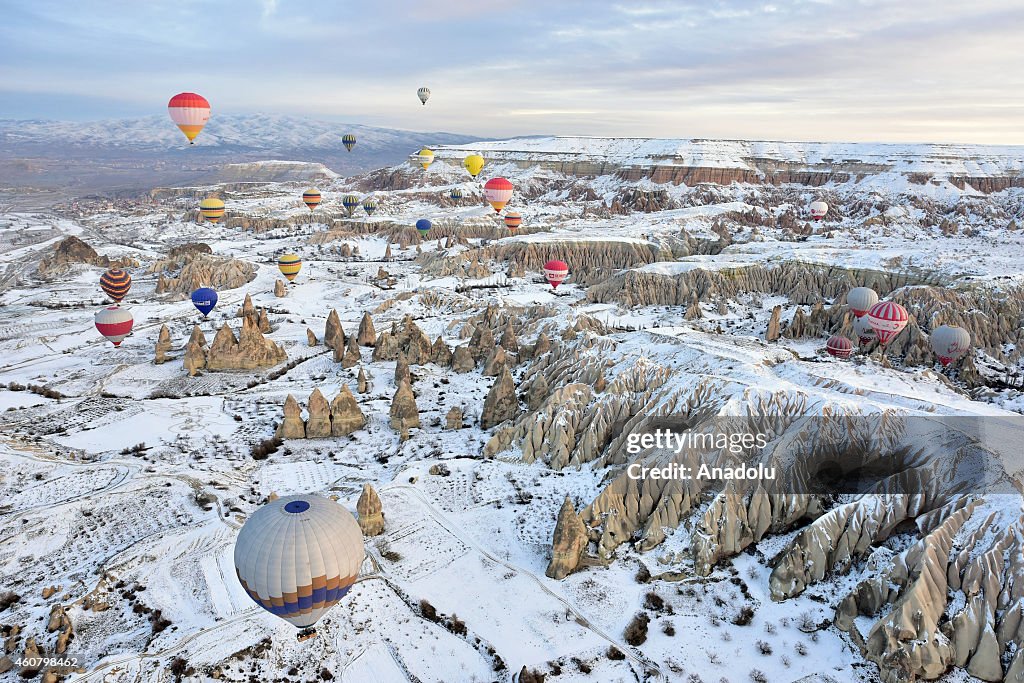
(774, 325)
(501, 403)
(318, 424)
(346, 417)
(311, 337)
(248, 351)
(462, 359)
(404, 413)
(72, 250)
(481, 343)
(163, 345)
(195, 358)
(362, 384)
(508, 340)
(292, 427)
(440, 354)
(371, 514)
(334, 336)
(496, 362)
(280, 289)
(402, 373)
(351, 357)
(453, 419)
(367, 335)
(186, 273)
(197, 336)
(568, 543)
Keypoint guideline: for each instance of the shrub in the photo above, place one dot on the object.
(745, 615)
(265, 448)
(801, 649)
(428, 611)
(653, 601)
(615, 653)
(758, 676)
(668, 629)
(636, 631)
(764, 648)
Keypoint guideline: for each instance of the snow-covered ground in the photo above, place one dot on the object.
(130, 487)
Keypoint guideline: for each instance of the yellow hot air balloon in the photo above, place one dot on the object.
(474, 163)
(424, 157)
(289, 265)
(212, 209)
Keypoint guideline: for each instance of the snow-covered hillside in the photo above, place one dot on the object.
(514, 536)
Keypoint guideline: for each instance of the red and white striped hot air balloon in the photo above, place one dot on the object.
(840, 347)
(861, 299)
(114, 323)
(190, 112)
(554, 272)
(498, 191)
(887, 319)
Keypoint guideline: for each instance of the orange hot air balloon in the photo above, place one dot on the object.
(498, 191)
(311, 198)
(190, 112)
(513, 220)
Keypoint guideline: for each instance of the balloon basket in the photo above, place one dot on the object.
(305, 634)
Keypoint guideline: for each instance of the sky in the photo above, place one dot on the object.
(843, 70)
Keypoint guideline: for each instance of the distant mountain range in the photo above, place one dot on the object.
(130, 154)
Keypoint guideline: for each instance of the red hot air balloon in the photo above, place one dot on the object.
(114, 323)
(555, 272)
(887, 319)
(190, 112)
(840, 347)
(950, 343)
(498, 191)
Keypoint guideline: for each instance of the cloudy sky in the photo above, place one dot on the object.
(909, 70)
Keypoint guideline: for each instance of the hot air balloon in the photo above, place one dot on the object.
(455, 194)
(513, 220)
(950, 343)
(311, 198)
(115, 283)
(474, 163)
(818, 210)
(369, 206)
(865, 333)
(212, 209)
(114, 323)
(351, 203)
(289, 265)
(555, 272)
(840, 347)
(887, 319)
(423, 226)
(498, 191)
(190, 112)
(298, 556)
(424, 157)
(349, 141)
(204, 299)
(861, 299)
(424, 94)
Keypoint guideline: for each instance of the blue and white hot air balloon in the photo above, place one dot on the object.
(204, 299)
(297, 556)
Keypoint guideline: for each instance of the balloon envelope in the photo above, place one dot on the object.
(818, 210)
(950, 343)
(190, 112)
(840, 347)
(204, 299)
(369, 206)
(289, 265)
(115, 283)
(351, 202)
(424, 94)
(555, 272)
(497, 192)
(861, 299)
(114, 323)
(424, 157)
(513, 220)
(456, 194)
(865, 333)
(887, 319)
(474, 163)
(298, 556)
(311, 198)
(212, 209)
(423, 226)
(349, 141)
